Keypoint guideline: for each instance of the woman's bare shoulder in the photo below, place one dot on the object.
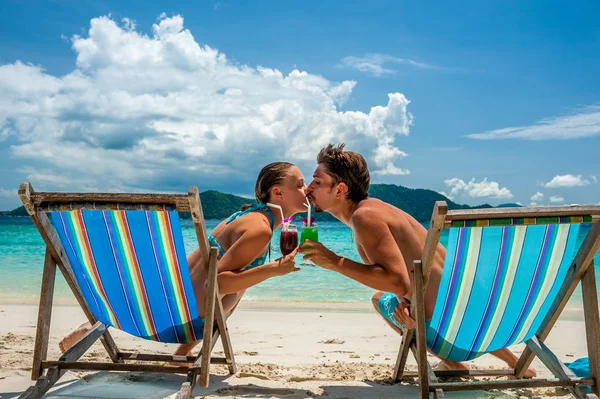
(253, 223)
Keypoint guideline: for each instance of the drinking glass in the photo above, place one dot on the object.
(288, 241)
(309, 233)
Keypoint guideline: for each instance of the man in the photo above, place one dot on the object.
(387, 239)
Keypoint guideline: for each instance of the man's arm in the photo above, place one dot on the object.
(385, 269)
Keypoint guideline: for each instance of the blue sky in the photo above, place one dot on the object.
(489, 102)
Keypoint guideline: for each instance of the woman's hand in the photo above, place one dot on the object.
(287, 264)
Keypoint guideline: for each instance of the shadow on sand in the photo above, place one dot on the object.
(112, 385)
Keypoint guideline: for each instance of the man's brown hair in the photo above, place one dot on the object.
(348, 167)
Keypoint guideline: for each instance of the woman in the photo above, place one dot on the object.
(244, 238)
(243, 241)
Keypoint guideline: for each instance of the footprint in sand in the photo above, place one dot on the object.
(332, 341)
(302, 379)
(246, 353)
(253, 375)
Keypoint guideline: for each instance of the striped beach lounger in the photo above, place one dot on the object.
(118, 257)
(507, 275)
(123, 256)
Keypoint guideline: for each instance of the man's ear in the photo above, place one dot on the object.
(341, 190)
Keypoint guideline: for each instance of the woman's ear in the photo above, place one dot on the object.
(276, 193)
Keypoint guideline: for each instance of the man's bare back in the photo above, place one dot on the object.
(409, 235)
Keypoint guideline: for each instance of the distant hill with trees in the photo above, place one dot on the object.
(417, 202)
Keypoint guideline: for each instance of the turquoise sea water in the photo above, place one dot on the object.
(22, 257)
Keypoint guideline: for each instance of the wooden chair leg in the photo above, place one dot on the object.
(407, 340)
(439, 394)
(209, 317)
(224, 332)
(43, 384)
(553, 363)
(188, 386)
(421, 344)
(84, 343)
(42, 334)
(431, 377)
(592, 324)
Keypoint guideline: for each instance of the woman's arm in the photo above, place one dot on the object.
(247, 247)
(235, 281)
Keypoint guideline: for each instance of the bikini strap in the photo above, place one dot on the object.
(261, 206)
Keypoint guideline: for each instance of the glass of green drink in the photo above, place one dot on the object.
(310, 231)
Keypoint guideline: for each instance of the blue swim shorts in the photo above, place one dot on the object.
(387, 304)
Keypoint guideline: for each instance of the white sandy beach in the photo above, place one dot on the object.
(307, 352)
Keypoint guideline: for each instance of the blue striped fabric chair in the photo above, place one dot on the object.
(507, 275)
(123, 256)
(118, 257)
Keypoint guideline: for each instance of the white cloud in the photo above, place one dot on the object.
(341, 92)
(43, 179)
(585, 123)
(537, 197)
(533, 203)
(484, 188)
(161, 110)
(128, 24)
(8, 193)
(373, 64)
(567, 180)
(391, 170)
(450, 197)
(5, 129)
(594, 179)
(556, 199)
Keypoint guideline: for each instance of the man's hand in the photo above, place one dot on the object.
(319, 254)
(402, 313)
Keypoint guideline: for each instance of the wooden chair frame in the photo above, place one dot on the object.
(46, 372)
(581, 270)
